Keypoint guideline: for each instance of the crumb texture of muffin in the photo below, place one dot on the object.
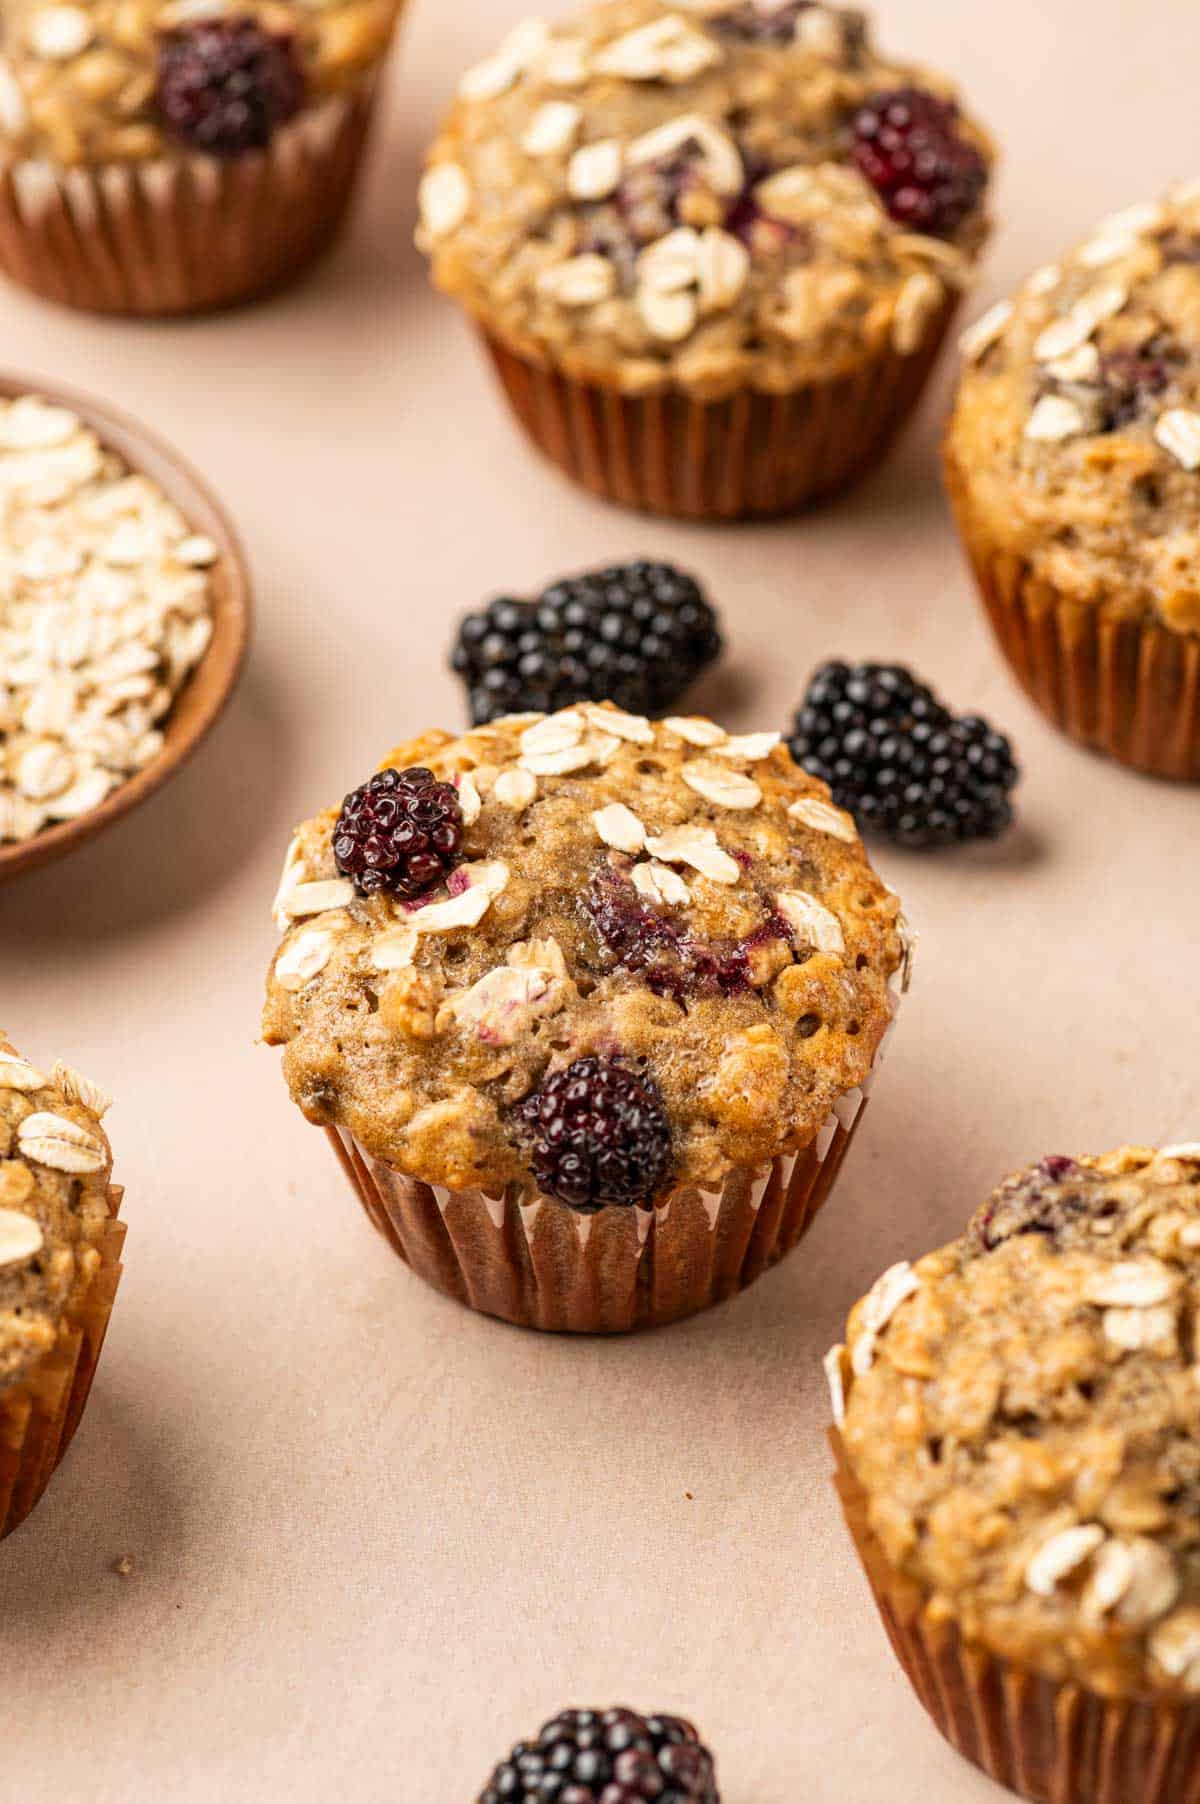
(1075, 444)
(655, 946)
(720, 195)
(116, 81)
(1022, 1412)
(55, 1206)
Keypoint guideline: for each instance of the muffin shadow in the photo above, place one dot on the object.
(110, 1499)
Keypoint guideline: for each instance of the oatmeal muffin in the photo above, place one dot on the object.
(712, 248)
(1019, 1438)
(60, 1251)
(164, 156)
(589, 1006)
(1073, 462)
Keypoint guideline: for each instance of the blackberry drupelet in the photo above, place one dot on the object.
(636, 634)
(225, 86)
(908, 145)
(600, 1136)
(400, 833)
(1132, 382)
(607, 1757)
(899, 761)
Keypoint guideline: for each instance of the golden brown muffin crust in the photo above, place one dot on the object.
(1023, 1412)
(78, 80)
(1075, 442)
(519, 218)
(421, 1042)
(55, 1166)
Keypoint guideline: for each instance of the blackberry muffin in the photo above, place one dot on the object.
(712, 248)
(589, 1006)
(1073, 463)
(60, 1253)
(1019, 1443)
(168, 156)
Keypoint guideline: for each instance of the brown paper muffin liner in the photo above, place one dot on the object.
(1052, 1740)
(752, 455)
(532, 1261)
(39, 1415)
(1130, 688)
(184, 233)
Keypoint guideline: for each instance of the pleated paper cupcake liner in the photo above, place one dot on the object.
(754, 454)
(39, 1415)
(1051, 1740)
(184, 233)
(532, 1261)
(1128, 688)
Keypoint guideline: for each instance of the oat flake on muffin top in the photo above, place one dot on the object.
(1076, 437)
(92, 81)
(1022, 1409)
(55, 1166)
(704, 194)
(676, 902)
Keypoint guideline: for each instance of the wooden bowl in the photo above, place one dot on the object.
(202, 699)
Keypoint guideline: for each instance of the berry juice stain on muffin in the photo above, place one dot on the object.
(582, 953)
(1022, 1412)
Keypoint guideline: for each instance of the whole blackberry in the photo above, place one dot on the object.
(600, 1136)
(908, 145)
(902, 764)
(607, 1757)
(636, 634)
(400, 833)
(225, 86)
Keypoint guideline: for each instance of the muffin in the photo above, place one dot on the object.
(588, 1006)
(161, 158)
(60, 1264)
(712, 249)
(1019, 1451)
(1073, 463)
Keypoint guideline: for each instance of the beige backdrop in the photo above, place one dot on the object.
(376, 1538)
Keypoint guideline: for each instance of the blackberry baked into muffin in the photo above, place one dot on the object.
(60, 1251)
(589, 1006)
(712, 248)
(1019, 1443)
(1073, 463)
(163, 156)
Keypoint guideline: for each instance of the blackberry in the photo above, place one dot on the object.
(908, 145)
(400, 833)
(607, 1757)
(600, 1136)
(225, 86)
(902, 764)
(636, 634)
(672, 962)
(760, 22)
(1131, 382)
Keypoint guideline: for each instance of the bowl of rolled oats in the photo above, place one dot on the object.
(124, 619)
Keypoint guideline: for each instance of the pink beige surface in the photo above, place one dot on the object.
(374, 1538)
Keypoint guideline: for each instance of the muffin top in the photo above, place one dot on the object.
(119, 80)
(713, 194)
(1076, 439)
(680, 911)
(1023, 1412)
(55, 1165)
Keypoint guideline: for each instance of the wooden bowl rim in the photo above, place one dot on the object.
(207, 691)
